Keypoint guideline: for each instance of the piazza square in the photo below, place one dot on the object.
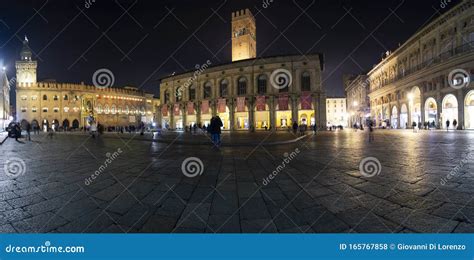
(238, 124)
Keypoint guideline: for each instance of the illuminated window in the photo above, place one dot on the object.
(45, 109)
(34, 97)
(66, 109)
(33, 109)
(23, 97)
(23, 109)
(56, 109)
(75, 109)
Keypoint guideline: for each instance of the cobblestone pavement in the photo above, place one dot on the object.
(424, 183)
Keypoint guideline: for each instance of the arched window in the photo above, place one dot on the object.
(66, 97)
(99, 109)
(305, 81)
(55, 98)
(262, 84)
(207, 90)
(242, 86)
(112, 110)
(106, 110)
(223, 87)
(192, 92)
(45, 97)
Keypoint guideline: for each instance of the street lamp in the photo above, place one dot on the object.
(355, 103)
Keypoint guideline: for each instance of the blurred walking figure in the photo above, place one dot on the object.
(371, 132)
(93, 129)
(28, 131)
(447, 125)
(455, 123)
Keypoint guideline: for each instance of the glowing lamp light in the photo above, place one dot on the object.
(355, 103)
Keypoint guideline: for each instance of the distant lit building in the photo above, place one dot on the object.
(336, 113)
(49, 104)
(428, 79)
(5, 112)
(245, 93)
(358, 104)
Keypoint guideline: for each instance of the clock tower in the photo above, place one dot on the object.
(244, 36)
(26, 67)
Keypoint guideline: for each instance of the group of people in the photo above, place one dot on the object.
(303, 128)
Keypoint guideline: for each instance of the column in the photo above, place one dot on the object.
(272, 107)
(322, 111)
(184, 112)
(251, 114)
(231, 115)
(399, 109)
(422, 109)
(316, 110)
(294, 109)
(197, 108)
(439, 109)
(213, 105)
(460, 98)
(171, 111)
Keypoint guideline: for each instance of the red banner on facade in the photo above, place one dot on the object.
(240, 104)
(260, 103)
(190, 108)
(164, 110)
(205, 107)
(176, 109)
(283, 102)
(221, 105)
(306, 100)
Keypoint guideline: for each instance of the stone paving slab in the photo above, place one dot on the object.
(424, 184)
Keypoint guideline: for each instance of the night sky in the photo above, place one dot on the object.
(141, 41)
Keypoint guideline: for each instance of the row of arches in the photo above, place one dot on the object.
(243, 120)
(449, 111)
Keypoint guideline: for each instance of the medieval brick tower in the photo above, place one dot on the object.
(244, 36)
(26, 67)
